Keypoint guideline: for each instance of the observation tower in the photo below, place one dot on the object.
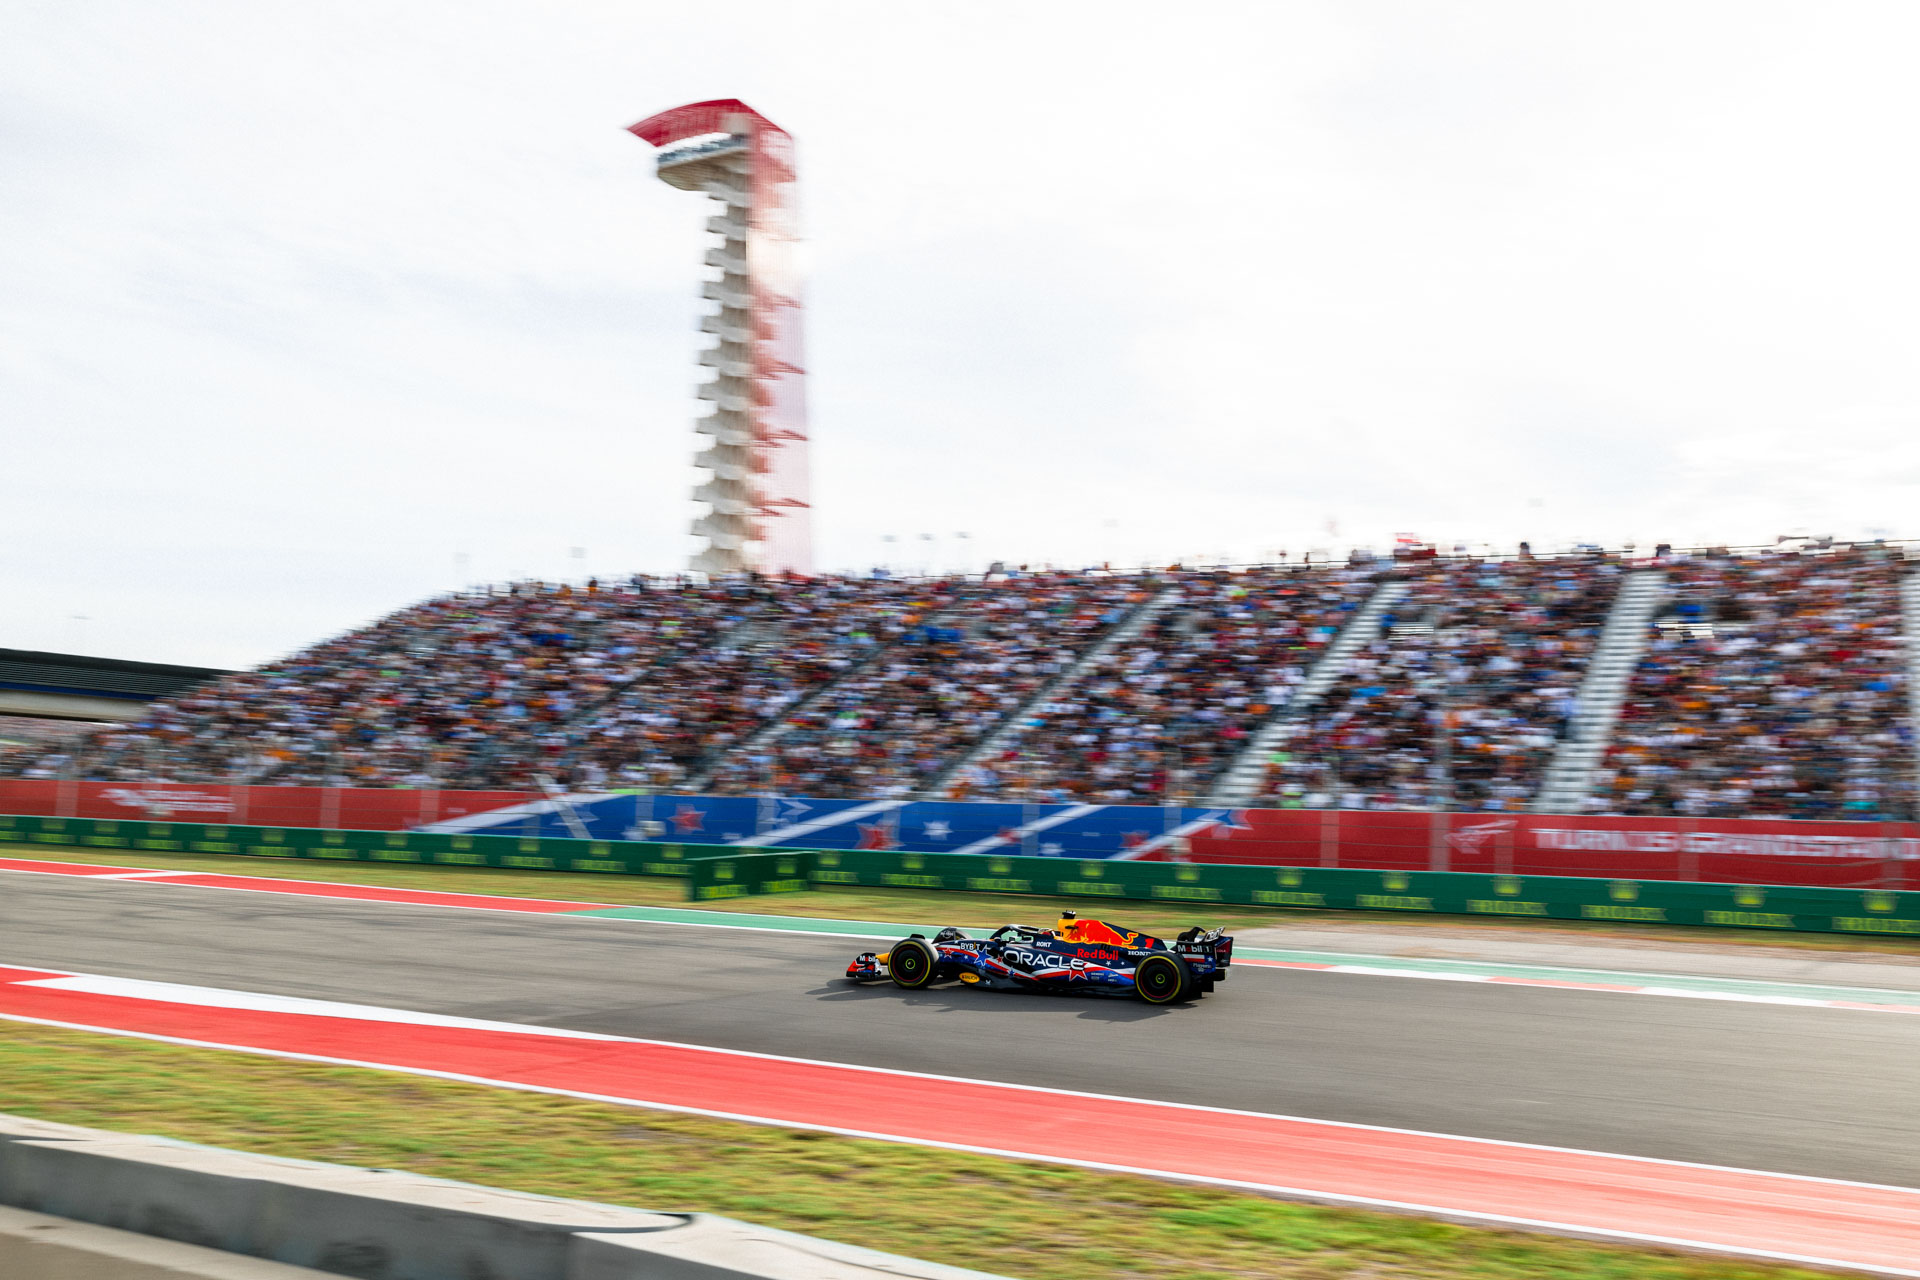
(757, 515)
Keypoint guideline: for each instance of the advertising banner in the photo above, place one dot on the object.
(365, 809)
(720, 875)
(718, 872)
(1729, 850)
(1722, 850)
(1745, 906)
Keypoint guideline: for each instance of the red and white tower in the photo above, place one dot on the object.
(757, 515)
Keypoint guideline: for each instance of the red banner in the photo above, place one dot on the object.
(352, 809)
(1715, 850)
(1879, 855)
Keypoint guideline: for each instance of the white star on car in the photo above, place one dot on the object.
(937, 830)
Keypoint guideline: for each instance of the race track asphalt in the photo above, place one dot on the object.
(1823, 1092)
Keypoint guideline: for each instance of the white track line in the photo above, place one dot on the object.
(1308, 1195)
(1048, 1090)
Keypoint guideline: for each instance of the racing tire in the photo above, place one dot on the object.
(1163, 980)
(910, 964)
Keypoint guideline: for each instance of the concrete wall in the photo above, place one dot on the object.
(35, 1246)
(381, 1224)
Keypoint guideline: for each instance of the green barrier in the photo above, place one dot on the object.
(738, 875)
(1789, 907)
(718, 872)
(614, 857)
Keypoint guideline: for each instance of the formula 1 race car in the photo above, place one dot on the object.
(1076, 955)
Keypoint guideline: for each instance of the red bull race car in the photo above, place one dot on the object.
(1089, 956)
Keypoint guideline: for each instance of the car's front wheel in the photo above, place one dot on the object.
(911, 964)
(1163, 980)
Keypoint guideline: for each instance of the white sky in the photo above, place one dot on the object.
(300, 303)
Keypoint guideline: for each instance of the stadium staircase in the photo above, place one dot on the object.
(1240, 781)
(1126, 629)
(1910, 596)
(1569, 776)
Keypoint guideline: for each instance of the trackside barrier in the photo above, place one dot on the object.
(1793, 907)
(1850, 854)
(376, 1222)
(718, 872)
(616, 857)
(740, 875)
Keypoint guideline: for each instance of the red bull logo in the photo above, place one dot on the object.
(1097, 931)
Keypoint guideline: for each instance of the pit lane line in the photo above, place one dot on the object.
(1670, 986)
(1782, 1217)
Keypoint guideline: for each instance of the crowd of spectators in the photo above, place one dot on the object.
(674, 724)
(1162, 714)
(633, 685)
(984, 651)
(467, 690)
(652, 685)
(1772, 685)
(1460, 699)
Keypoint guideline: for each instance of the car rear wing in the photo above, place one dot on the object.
(1205, 945)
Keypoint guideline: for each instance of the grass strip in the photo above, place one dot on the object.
(1013, 1217)
(919, 906)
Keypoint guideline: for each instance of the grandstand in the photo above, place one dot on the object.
(1757, 683)
(1772, 687)
(1494, 650)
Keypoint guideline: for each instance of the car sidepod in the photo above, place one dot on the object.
(1057, 965)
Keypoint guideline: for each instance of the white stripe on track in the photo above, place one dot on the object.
(1307, 1195)
(1052, 1091)
(261, 1002)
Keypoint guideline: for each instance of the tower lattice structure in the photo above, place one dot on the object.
(757, 515)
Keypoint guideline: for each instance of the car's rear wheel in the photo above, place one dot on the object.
(911, 964)
(1163, 980)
